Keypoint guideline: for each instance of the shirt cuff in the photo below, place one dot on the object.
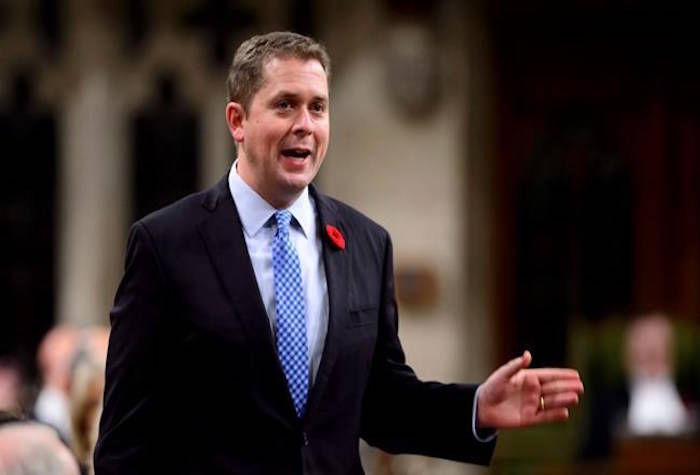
(483, 435)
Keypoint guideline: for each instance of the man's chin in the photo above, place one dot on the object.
(289, 188)
(296, 181)
(295, 187)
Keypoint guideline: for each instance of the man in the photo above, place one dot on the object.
(28, 448)
(255, 328)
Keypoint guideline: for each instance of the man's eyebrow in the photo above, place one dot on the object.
(293, 95)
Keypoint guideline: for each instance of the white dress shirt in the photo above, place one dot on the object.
(259, 228)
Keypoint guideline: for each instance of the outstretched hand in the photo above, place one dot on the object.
(515, 396)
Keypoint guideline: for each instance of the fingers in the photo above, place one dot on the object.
(550, 415)
(560, 400)
(563, 385)
(561, 393)
(552, 374)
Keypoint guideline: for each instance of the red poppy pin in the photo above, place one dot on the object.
(335, 236)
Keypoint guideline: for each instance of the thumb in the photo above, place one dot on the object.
(516, 364)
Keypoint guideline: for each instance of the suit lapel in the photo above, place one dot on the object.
(337, 277)
(223, 236)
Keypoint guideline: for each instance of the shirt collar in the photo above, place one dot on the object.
(254, 211)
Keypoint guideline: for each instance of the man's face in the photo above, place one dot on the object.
(283, 137)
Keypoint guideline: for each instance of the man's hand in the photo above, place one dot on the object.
(514, 396)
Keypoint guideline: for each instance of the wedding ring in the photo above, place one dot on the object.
(541, 403)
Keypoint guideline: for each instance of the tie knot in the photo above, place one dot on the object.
(283, 218)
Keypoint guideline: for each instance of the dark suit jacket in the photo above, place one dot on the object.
(194, 385)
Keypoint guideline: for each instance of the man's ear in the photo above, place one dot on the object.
(234, 118)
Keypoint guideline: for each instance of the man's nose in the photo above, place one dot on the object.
(303, 124)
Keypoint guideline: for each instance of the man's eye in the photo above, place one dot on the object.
(283, 105)
(318, 107)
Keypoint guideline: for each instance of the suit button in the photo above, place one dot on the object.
(305, 439)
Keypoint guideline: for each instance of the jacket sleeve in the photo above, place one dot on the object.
(402, 414)
(129, 417)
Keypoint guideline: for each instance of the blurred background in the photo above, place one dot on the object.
(537, 164)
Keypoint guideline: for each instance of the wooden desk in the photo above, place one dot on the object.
(657, 456)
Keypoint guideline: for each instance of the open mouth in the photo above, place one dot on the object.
(296, 153)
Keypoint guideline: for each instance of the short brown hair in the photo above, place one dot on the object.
(245, 76)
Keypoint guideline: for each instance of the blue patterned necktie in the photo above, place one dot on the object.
(290, 314)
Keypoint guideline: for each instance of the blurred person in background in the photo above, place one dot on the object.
(11, 385)
(56, 352)
(655, 406)
(255, 329)
(633, 388)
(28, 448)
(86, 389)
